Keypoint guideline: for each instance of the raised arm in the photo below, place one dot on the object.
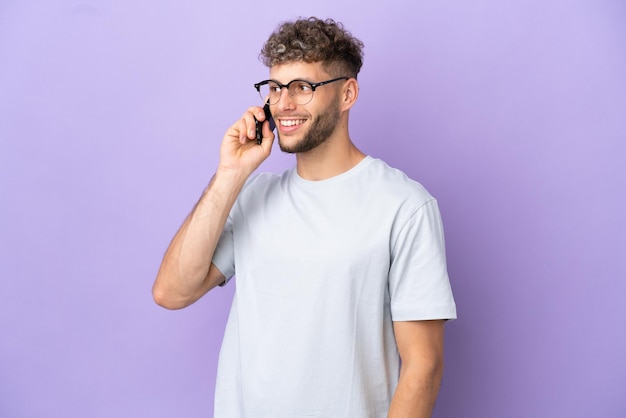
(186, 272)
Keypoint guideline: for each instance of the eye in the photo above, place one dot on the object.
(274, 88)
(302, 87)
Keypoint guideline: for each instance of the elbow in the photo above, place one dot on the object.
(432, 369)
(437, 371)
(424, 374)
(172, 291)
(165, 299)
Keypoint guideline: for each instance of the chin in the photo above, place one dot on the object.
(288, 148)
(291, 144)
(303, 145)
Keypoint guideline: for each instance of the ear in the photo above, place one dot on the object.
(349, 94)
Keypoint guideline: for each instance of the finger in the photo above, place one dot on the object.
(241, 128)
(268, 137)
(249, 119)
(257, 112)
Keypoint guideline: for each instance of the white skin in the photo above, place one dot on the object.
(186, 272)
(318, 129)
(296, 124)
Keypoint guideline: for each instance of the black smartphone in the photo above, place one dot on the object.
(259, 125)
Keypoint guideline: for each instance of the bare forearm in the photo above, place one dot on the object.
(186, 273)
(416, 393)
(183, 273)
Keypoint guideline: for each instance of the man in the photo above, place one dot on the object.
(340, 261)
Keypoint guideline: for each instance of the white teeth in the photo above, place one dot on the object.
(291, 122)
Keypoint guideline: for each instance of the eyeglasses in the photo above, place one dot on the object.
(300, 91)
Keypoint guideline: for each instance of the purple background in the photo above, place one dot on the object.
(111, 115)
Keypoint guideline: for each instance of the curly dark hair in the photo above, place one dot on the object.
(315, 40)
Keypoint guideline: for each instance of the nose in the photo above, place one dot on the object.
(285, 102)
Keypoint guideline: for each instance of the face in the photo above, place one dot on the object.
(302, 128)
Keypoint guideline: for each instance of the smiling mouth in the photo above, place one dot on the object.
(291, 122)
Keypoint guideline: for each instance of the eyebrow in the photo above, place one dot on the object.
(295, 79)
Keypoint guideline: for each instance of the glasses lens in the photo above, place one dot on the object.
(300, 92)
(264, 92)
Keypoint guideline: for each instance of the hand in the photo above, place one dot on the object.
(239, 150)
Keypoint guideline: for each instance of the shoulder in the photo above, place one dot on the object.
(262, 184)
(267, 179)
(392, 183)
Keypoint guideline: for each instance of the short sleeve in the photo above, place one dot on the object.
(419, 286)
(224, 255)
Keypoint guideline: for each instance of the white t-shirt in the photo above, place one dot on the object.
(323, 268)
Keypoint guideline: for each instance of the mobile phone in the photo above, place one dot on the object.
(259, 125)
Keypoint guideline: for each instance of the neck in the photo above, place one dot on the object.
(335, 156)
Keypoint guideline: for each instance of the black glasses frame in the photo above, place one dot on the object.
(258, 86)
